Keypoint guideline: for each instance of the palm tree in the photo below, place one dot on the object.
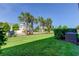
(42, 23)
(29, 20)
(23, 18)
(77, 27)
(49, 24)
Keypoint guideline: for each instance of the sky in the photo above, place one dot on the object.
(61, 14)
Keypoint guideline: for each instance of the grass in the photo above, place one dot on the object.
(39, 45)
(13, 41)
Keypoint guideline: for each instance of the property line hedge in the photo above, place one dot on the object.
(60, 33)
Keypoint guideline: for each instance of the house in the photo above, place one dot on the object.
(22, 29)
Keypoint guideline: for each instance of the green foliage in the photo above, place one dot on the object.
(65, 27)
(15, 27)
(36, 29)
(49, 24)
(60, 32)
(42, 47)
(52, 27)
(5, 26)
(2, 36)
(77, 27)
(42, 22)
(59, 27)
(62, 27)
(28, 19)
(45, 24)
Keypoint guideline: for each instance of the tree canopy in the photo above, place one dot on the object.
(5, 26)
(15, 27)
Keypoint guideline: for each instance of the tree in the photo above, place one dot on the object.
(52, 28)
(36, 29)
(15, 27)
(65, 27)
(2, 37)
(5, 26)
(42, 23)
(29, 20)
(77, 27)
(49, 24)
(24, 16)
(59, 27)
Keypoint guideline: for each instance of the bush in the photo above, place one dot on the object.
(60, 33)
(5, 26)
(2, 37)
(15, 27)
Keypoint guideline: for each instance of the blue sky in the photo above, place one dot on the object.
(61, 14)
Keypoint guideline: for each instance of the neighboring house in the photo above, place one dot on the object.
(22, 29)
(42, 29)
(22, 26)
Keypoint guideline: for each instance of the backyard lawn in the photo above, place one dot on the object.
(38, 45)
(13, 41)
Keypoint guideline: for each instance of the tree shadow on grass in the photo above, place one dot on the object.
(46, 47)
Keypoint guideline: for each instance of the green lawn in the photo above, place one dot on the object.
(13, 41)
(38, 45)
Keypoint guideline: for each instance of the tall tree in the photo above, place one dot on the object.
(24, 18)
(36, 29)
(29, 20)
(49, 24)
(42, 23)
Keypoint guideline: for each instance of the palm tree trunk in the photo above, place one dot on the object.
(40, 27)
(32, 27)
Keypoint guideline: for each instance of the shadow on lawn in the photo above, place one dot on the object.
(46, 47)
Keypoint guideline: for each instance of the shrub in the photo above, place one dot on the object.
(15, 27)
(2, 37)
(5, 26)
(60, 33)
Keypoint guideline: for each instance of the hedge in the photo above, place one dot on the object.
(60, 33)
